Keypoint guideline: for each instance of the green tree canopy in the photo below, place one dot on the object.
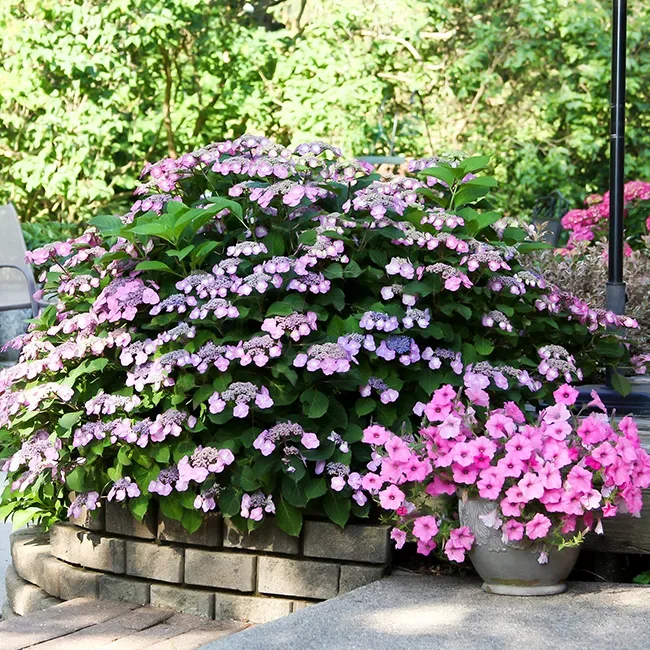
(90, 89)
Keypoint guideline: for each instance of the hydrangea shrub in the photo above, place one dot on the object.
(225, 343)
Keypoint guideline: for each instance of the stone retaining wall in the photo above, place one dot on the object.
(216, 572)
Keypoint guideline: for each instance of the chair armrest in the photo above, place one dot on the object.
(31, 285)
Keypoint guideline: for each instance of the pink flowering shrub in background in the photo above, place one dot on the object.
(225, 343)
(552, 476)
(591, 223)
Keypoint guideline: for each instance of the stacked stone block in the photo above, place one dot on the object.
(216, 572)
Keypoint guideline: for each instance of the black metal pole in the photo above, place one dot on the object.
(615, 290)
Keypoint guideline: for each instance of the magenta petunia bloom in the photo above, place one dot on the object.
(538, 527)
(391, 498)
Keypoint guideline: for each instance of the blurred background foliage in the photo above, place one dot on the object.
(91, 89)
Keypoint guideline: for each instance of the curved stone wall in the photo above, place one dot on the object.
(215, 572)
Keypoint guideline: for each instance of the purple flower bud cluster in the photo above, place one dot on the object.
(138, 352)
(480, 375)
(414, 237)
(292, 193)
(337, 439)
(392, 290)
(31, 399)
(453, 278)
(177, 302)
(296, 325)
(86, 500)
(107, 404)
(500, 282)
(149, 374)
(37, 454)
(386, 394)
(278, 264)
(253, 506)
(256, 282)
(278, 165)
(78, 284)
(206, 285)
(404, 348)
(316, 148)
(341, 476)
(375, 320)
(246, 249)
(556, 362)
(174, 359)
(85, 323)
(402, 267)
(424, 163)
(487, 255)
(91, 431)
(352, 343)
(323, 248)
(241, 393)
(203, 462)
(497, 318)
(346, 171)
(180, 331)
(229, 266)
(267, 440)
(169, 424)
(417, 317)
(121, 298)
(219, 308)
(312, 282)
(207, 355)
(435, 357)
(440, 218)
(207, 500)
(257, 350)
(327, 357)
(381, 197)
(168, 480)
(123, 488)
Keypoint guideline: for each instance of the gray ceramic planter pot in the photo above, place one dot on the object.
(513, 569)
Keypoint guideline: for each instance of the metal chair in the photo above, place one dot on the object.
(547, 212)
(17, 284)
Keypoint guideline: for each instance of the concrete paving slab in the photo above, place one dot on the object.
(416, 612)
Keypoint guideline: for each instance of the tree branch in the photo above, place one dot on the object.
(167, 114)
(203, 115)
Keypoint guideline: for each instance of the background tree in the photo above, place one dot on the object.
(90, 89)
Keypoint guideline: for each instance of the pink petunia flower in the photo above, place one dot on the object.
(391, 498)
(566, 394)
(538, 526)
(512, 530)
(425, 528)
(398, 536)
(375, 435)
(500, 426)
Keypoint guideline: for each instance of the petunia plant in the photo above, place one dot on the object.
(591, 223)
(550, 475)
(224, 344)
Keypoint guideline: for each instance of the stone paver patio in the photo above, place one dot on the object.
(418, 612)
(84, 624)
